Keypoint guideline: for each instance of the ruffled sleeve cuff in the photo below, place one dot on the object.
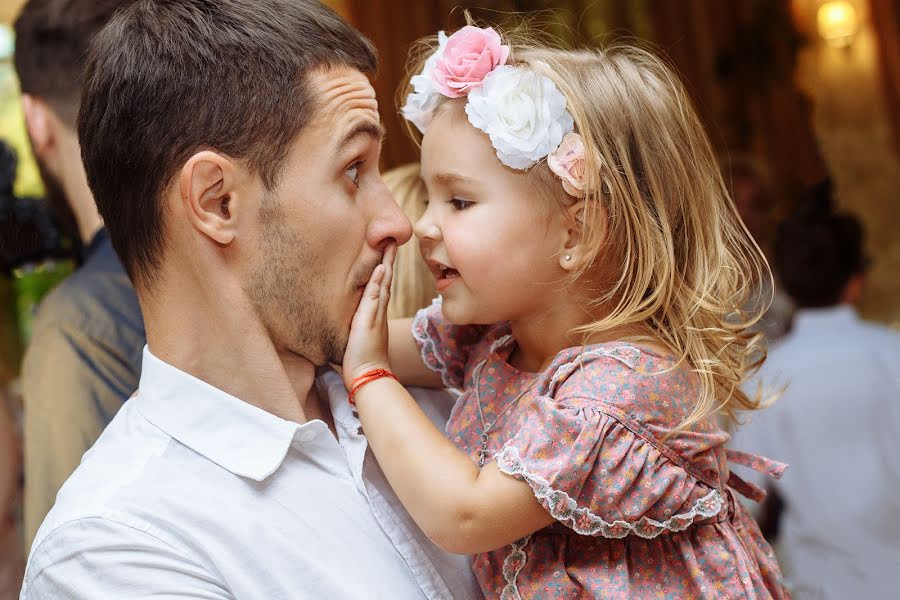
(445, 347)
(598, 478)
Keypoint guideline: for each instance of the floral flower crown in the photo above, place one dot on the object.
(522, 112)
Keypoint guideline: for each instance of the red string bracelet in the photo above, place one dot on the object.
(368, 377)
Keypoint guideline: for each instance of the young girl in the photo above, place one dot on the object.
(590, 266)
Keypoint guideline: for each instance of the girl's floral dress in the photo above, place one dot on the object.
(638, 515)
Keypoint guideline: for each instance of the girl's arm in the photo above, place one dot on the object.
(405, 357)
(462, 508)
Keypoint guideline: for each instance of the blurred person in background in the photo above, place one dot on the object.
(84, 357)
(837, 421)
(752, 193)
(11, 558)
(413, 286)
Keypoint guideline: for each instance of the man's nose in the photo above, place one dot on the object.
(391, 224)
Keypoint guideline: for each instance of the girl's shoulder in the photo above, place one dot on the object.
(604, 421)
(619, 373)
(648, 391)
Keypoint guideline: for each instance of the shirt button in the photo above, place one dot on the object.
(308, 435)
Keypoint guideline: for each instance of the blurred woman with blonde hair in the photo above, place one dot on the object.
(413, 285)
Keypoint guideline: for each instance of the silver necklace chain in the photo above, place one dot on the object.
(485, 427)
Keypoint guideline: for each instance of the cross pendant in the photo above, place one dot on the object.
(482, 452)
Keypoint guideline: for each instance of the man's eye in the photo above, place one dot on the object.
(460, 204)
(352, 172)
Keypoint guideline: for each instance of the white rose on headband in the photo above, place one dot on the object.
(420, 104)
(522, 112)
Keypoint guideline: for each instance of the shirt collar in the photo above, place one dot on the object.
(816, 319)
(100, 238)
(234, 434)
(332, 385)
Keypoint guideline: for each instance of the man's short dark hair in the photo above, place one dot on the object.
(167, 78)
(52, 38)
(818, 251)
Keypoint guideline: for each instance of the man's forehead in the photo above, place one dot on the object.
(344, 94)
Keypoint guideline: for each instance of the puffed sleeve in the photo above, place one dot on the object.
(446, 348)
(592, 465)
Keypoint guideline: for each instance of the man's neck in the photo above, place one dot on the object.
(78, 194)
(217, 337)
(87, 231)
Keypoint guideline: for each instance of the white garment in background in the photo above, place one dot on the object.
(837, 425)
(192, 493)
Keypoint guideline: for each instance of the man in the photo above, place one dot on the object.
(84, 359)
(837, 420)
(232, 148)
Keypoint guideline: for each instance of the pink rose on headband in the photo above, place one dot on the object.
(470, 54)
(567, 163)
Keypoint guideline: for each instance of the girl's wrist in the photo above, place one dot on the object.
(367, 376)
(357, 372)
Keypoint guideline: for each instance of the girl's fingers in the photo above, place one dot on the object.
(371, 298)
(389, 255)
(375, 282)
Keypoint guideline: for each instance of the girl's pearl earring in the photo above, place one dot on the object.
(568, 257)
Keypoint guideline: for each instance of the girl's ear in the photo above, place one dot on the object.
(571, 247)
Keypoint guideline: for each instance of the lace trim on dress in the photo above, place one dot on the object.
(629, 355)
(512, 566)
(428, 349)
(564, 509)
(500, 342)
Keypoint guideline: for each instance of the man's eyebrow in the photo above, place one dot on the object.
(363, 128)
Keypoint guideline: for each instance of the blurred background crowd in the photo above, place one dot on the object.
(800, 97)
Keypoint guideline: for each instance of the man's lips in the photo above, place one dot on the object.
(365, 275)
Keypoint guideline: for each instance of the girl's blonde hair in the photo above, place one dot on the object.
(657, 216)
(413, 285)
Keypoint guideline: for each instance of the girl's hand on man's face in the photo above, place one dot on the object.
(367, 346)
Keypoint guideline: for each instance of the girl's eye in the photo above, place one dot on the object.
(460, 204)
(352, 172)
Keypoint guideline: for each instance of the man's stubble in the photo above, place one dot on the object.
(286, 287)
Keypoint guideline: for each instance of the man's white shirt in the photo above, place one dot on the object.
(193, 493)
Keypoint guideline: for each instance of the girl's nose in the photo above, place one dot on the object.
(426, 229)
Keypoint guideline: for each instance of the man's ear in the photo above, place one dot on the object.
(39, 121)
(207, 188)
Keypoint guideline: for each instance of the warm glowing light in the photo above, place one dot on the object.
(838, 23)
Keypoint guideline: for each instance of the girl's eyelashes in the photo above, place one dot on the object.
(456, 203)
(352, 172)
(460, 204)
